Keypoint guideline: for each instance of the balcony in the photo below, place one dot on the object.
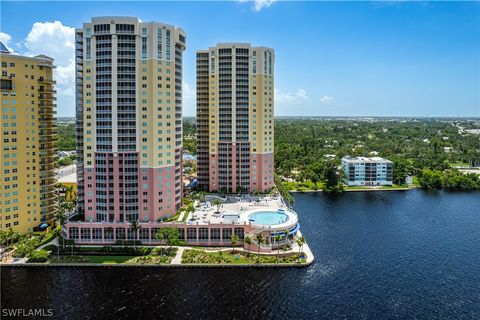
(46, 80)
(6, 83)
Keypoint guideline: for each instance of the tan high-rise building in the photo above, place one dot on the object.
(235, 118)
(28, 134)
(129, 119)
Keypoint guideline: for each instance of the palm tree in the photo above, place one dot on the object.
(69, 206)
(109, 230)
(248, 241)
(234, 239)
(300, 241)
(260, 240)
(286, 234)
(122, 237)
(135, 227)
(223, 190)
(160, 237)
(201, 196)
(7, 238)
(70, 192)
(277, 240)
(62, 219)
(60, 188)
(3, 238)
(217, 203)
(239, 189)
(10, 236)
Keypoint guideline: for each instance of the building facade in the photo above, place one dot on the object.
(129, 119)
(28, 134)
(235, 118)
(362, 171)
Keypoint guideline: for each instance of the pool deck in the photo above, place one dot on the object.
(207, 212)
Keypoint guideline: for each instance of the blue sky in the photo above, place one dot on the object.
(332, 58)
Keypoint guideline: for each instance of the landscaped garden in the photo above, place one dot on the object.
(194, 256)
(105, 255)
(25, 245)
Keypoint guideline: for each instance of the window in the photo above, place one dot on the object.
(159, 45)
(101, 28)
(89, 50)
(144, 47)
(124, 28)
(168, 44)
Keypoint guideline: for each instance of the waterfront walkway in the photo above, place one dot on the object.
(177, 260)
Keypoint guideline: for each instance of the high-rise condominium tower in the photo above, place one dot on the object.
(28, 134)
(129, 119)
(235, 108)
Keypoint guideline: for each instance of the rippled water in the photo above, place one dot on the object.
(378, 255)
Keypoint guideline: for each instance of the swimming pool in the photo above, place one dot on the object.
(268, 217)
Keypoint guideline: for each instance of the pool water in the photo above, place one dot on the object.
(268, 217)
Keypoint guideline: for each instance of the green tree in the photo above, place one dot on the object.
(160, 236)
(135, 226)
(260, 240)
(277, 240)
(248, 241)
(202, 195)
(217, 203)
(223, 191)
(234, 239)
(109, 231)
(171, 235)
(70, 193)
(61, 218)
(300, 242)
(333, 182)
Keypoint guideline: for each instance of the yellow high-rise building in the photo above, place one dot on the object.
(27, 134)
(129, 119)
(235, 124)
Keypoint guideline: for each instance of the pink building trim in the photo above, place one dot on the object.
(262, 168)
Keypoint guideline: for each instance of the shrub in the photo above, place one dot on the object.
(26, 246)
(68, 259)
(39, 256)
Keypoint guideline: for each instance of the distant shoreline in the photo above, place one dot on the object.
(357, 190)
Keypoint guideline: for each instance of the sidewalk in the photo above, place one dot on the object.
(54, 242)
(178, 256)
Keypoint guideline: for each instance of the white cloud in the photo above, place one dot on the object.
(327, 99)
(292, 99)
(5, 39)
(57, 41)
(260, 4)
(189, 99)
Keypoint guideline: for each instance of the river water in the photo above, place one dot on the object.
(382, 255)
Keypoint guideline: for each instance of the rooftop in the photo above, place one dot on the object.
(365, 159)
(67, 174)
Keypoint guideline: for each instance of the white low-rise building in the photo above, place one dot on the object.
(363, 171)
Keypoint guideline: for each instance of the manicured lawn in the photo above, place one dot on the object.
(460, 164)
(394, 187)
(301, 186)
(109, 259)
(227, 257)
(158, 256)
(92, 259)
